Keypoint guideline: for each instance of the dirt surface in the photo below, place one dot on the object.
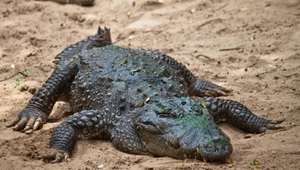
(252, 47)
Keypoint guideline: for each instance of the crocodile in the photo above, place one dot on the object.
(78, 2)
(143, 101)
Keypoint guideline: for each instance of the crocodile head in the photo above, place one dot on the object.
(181, 128)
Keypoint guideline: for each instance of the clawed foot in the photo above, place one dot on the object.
(273, 125)
(28, 120)
(55, 156)
(203, 88)
(219, 91)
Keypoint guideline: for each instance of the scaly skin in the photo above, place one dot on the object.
(238, 115)
(138, 99)
(41, 104)
(181, 128)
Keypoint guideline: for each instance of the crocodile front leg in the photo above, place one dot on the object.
(239, 115)
(41, 104)
(83, 125)
(125, 138)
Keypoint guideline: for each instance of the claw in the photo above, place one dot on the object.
(274, 124)
(217, 92)
(220, 92)
(14, 122)
(21, 124)
(38, 123)
(277, 121)
(29, 124)
(26, 128)
(223, 91)
(274, 127)
(27, 119)
(262, 129)
(204, 88)
(56, 156)
(29, 131)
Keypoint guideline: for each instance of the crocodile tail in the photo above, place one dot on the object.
(100, 39)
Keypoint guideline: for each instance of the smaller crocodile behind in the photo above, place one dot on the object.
(143, 101)
(78, 2)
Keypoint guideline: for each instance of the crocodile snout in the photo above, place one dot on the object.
(216, 151)
(203, 145)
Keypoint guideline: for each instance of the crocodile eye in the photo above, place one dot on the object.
(183, 102)
(172, 115)
(163, 115)
(200, 111)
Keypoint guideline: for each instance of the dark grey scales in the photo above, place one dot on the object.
(138, 99)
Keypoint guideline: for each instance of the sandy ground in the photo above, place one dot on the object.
(252, 47)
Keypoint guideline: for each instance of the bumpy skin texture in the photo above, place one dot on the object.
(139, 100)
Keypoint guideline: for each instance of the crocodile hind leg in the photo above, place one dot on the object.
(41, 104)
(239, 115)
(197, 87)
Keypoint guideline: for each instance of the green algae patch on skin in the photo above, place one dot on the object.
(187, 111)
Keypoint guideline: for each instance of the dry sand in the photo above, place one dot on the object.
(261, 63)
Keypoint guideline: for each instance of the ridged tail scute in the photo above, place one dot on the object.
(102, 38)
